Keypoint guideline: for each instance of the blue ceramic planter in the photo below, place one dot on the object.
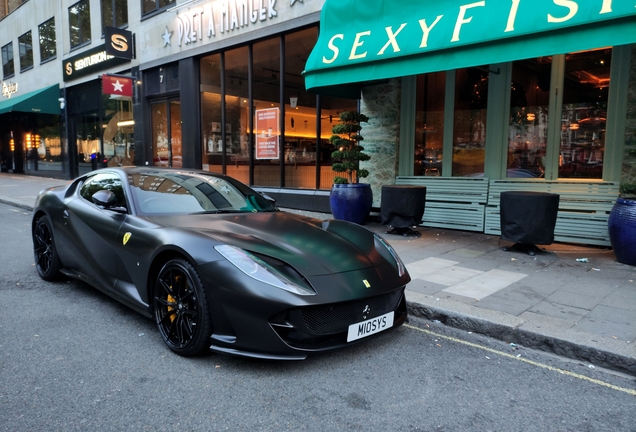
(351, 202)
(622, 230)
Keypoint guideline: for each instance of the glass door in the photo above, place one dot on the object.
(166, 133)
(175, 134)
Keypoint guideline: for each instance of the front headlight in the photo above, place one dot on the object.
(258, 269)
(398, 261)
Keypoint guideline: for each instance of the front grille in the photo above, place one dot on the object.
(279, 318)
(336, 318)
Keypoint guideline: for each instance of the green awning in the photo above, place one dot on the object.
(368, 40)
(43, 101)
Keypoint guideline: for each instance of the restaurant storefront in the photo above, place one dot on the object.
(528, 93)
(229, 96)
(98, 118)
(290, 145)
(30, 131)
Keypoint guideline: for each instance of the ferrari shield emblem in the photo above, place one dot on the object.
(126, 237)
(366, 282)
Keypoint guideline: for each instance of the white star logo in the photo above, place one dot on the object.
(166, 37)
(117, 86)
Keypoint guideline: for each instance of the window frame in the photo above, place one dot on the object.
(158, 8)
(10, 62)
(21, 56)
(83, 39)
(53, 55)
(97, 178)
(111, 21)
(499, 114)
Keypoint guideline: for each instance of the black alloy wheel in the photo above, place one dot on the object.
(47, 261)
(181, 308)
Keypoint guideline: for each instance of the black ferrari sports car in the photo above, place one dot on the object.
(217, 265)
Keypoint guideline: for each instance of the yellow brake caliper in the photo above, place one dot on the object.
(171, 299)
(170, 308)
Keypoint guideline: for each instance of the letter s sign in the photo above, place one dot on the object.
(119, 42)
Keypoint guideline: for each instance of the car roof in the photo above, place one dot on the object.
(143, 170)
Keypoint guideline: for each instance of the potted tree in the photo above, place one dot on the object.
(349, 199)
(622, 224)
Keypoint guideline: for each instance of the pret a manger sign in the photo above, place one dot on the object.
(196, 23)
(444, 24)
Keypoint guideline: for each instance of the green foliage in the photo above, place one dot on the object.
(349, 152)
(627, 190)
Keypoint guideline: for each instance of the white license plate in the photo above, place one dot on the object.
(369, 327)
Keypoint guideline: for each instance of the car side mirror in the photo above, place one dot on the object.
(268, 198)
(104, 198)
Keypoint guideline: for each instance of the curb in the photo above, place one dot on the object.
(15, 204)
(506, 327)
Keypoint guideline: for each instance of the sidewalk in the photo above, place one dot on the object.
(550, 301)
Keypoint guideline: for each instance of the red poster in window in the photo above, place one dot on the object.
(267, 133)
(116, 85)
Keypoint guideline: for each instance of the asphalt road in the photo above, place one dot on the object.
(72, 359)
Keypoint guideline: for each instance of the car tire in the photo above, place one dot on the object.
(181, 308)
(47, 261)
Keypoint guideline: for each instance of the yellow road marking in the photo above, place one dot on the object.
(533, 363)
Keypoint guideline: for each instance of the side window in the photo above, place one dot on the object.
(106, 181)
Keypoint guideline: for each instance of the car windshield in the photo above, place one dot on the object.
(187, 193)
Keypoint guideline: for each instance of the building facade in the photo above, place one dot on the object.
(549, 98)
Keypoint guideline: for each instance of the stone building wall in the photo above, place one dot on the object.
(629, 157)
(381, 103)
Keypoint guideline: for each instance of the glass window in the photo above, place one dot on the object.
(584, 114)
(7, 61)
(302, 145)
(237, 113)
(306, 152)
(469, 126)
(105, 181)
(118, 128)
(176, 154)
(46, 31)
(267, 112)
(528, 123)
(154, 5)
(114, 13)
(79, 18)
(160, 137)
(44, 145)
(25, 44)
(429, 124)
(185, 193)
(211, 114)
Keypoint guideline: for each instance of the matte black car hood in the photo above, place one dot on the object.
(311, 246)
